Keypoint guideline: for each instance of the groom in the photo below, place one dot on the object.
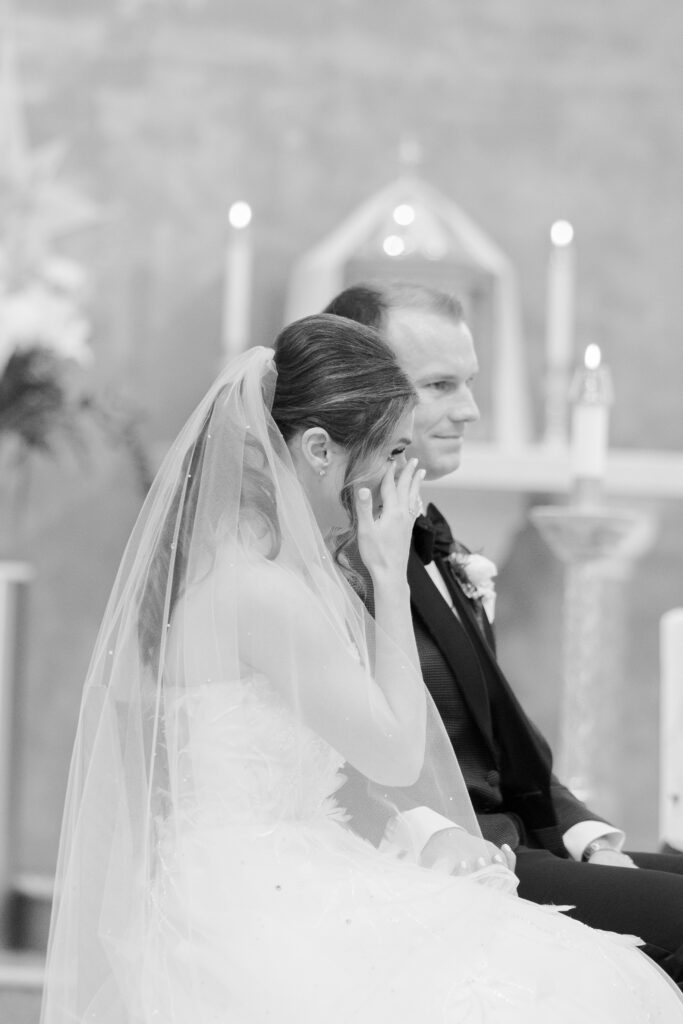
(566, 854)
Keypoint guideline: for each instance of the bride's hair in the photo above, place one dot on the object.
(337, 374)
(331, 373)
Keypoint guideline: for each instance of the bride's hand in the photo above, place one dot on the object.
(456, 852)
(384, 541)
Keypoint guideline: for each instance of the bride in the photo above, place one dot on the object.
(207, 874)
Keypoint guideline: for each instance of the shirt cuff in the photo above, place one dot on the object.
(410, 831)
(577, 838)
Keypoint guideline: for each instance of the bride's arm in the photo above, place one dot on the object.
(286, 634)
(376, 722)
(384, 543)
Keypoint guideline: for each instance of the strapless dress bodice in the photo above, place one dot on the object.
(244, 757)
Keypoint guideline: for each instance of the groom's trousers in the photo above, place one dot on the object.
(647, 902)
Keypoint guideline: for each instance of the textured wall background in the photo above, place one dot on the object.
(526, 111)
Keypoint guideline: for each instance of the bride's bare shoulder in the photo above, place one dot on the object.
(262, 583)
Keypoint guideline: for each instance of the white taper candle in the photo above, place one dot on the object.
(237, 284)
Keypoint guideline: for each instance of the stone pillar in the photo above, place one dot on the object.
(598, 546)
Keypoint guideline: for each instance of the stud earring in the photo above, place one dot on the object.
(322, 472)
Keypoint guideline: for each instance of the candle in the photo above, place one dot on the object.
(237, 285)
(591, 394)
(559, 329)
(560, 311)
(671, 728)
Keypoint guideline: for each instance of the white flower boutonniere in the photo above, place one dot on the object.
(475, 574)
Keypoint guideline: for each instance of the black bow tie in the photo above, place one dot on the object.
(432, 537)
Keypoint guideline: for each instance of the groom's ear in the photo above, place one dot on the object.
(315, 448)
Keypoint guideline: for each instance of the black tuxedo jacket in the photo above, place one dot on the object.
(506, 762)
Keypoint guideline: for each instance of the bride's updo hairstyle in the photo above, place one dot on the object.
(331, 373)
(337, 374)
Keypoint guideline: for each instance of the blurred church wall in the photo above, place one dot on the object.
(525, 112)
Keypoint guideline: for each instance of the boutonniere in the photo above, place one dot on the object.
(475, 574)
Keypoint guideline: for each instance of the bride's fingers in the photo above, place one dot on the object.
(405, 481)
(414, 499)
(364, 508)
(510, 856)
(387, 487)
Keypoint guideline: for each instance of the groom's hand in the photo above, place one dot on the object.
(611, 859)
(456, 852)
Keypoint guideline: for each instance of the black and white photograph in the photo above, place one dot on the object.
(341, 512)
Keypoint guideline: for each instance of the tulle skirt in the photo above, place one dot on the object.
(303, 922)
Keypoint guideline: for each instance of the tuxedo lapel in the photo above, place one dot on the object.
(453, 642)
(466, 611)
(526, 759)
(486, 652)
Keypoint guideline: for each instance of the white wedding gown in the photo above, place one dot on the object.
(294, 919)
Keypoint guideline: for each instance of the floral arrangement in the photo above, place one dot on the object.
(44, 349)
(475, 574)
(46, 394)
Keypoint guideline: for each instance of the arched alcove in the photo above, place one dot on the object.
(410, 231)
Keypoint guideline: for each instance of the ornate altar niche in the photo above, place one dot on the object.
(410, 231)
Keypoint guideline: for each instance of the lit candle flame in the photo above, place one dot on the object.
(393, 245)
(592, 357)
(239, 214)
(561, 233)
(404, 214)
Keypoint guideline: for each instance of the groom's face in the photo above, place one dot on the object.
(438, 355)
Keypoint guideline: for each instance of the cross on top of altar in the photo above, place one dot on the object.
(408, 230)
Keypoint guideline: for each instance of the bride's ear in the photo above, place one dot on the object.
(315, 448)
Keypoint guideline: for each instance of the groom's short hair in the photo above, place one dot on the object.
(370, 303)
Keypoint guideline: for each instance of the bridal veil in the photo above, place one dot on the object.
(226, 503)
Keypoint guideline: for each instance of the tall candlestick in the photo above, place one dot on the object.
(559, 328)
(237, 284)
(560, 314)
(591, 394)
(671, 728)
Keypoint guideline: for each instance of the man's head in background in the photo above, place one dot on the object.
(427, 330)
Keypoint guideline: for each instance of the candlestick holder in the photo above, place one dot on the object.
(598, 546)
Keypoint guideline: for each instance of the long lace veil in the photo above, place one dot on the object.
(225, 515)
